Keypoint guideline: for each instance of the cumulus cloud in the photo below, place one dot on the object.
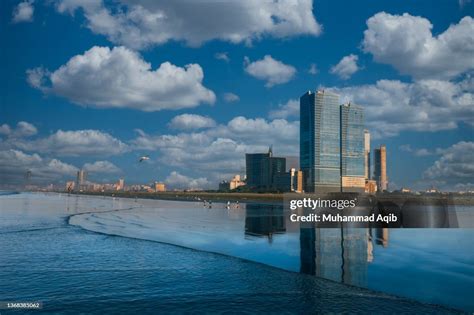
(219, 152)
(289, 109)
(222, 56)
(313, 69)
(23, 12)
(416, 151)
(177, 181)
(191, 121)
(75, 143)
(120, 78)
(346, 67)
(140, 24)
(101, 167)
(406, 42)
(22, 129)
(455, 167)
(14, 164)
(231, 97)
(270, 70)
(392, 106)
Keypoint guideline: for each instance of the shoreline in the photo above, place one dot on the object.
(275, 198)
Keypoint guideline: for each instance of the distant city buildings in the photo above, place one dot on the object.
(234, 183)
(70, 185)
(120, 184)
(320, 141)
(81, 178)
(380, 168)
(160, 187)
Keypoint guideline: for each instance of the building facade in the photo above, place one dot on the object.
(159, 187)
(320, 141)
(380, 168)
(352, 148)
(234, 183)
(261, 169)
(367, 154)
(81, 178)
(291, 181)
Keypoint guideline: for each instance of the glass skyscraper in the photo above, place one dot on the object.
(262, 168)
(352, 148)
(320, 141)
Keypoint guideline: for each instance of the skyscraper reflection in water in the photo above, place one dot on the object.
(340, 255)
(264, 220)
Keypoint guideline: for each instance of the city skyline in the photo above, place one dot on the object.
(230, 91)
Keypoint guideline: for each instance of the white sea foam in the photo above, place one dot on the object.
(190, 225)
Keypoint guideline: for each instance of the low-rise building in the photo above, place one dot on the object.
(160, 187)
(234, 183)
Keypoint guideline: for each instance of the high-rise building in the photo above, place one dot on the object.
(120, 184)
(352, 148)
(262, 168)
(81, 178)
(320, 141)
(380, 168)
(367, 154)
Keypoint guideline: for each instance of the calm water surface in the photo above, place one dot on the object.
(49, 251)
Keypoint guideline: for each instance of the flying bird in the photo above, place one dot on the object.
(144, 158)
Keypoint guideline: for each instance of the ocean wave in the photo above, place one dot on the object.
(8, 192)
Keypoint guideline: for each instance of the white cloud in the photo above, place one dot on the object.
(139, 24)
(23, 12)
(5, 129)
(270, 70)
(392, 106)
(222, 56)
(191, 121)
(407, 43)
(231, 97)
(346, 67)
(454, 167)
(120, 78)
(23, 129)
(101, 167)
(178, 181)
(14, 164)
(289, 109)
(313, 69)
(420, 152)
(219, 152)
(75, 143)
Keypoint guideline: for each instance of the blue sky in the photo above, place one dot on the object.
(83, 85)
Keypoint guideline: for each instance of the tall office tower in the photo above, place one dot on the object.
(380, 168)
(262, 169)
(320, 141)
(367, 154)
(121, 184)
(81, 178)
(352, 148)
